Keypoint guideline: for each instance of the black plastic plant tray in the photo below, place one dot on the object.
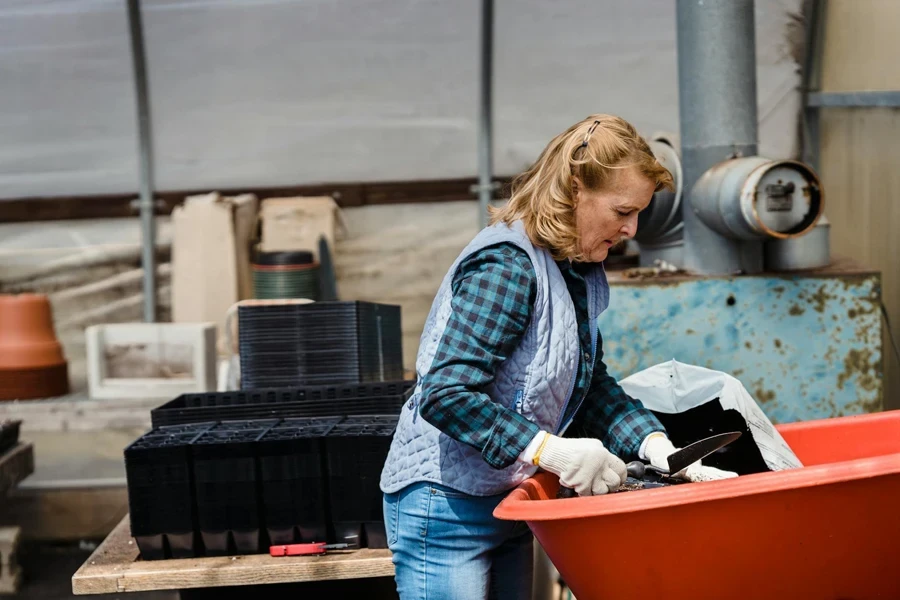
(225, 483)
(291, 481)
(303, 427)
(160, 492)
(356, 450)
(299, 364)
(292, 375)
(235, 487)
(319, 342)
(321, 408)
(366, 425)
(329, 400)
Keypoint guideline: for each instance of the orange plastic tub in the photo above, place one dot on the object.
(827, 531)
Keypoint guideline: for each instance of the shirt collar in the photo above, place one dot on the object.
(582, 268)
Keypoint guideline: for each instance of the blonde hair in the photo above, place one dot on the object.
(592, 150)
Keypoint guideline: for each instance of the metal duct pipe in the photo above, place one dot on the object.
(660, 229)
(717, 106)
(754, 198)
(662, 218)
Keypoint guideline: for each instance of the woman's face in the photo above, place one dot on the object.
(605, 217)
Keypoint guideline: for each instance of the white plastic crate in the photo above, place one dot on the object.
(150, 360)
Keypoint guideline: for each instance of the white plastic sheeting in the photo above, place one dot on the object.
(673, 387)
(251, 93)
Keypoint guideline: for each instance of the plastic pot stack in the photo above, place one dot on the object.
(280, 275)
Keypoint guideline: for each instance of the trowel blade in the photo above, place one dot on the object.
(700, 450)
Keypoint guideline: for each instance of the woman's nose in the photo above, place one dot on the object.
(629, 229)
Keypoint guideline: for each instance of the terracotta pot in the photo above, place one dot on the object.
(32, 364)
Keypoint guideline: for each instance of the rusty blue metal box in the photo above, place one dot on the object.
(806, 345)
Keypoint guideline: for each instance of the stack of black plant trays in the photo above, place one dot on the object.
(295, 461)
(319, 343)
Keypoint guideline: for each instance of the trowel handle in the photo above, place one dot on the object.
(636, 469)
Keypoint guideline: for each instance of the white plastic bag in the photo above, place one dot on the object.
(673, 387)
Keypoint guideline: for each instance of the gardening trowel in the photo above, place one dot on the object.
(679, 460)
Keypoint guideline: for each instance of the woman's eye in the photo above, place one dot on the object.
(623, 213)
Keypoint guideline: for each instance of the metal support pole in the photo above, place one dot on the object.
(717, 105)
(485, 186)
(146, 203)
(815, 11)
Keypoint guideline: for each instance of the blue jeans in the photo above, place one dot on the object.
(448, 546)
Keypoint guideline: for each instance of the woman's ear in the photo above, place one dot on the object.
(576, 189)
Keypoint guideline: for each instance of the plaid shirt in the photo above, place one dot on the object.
(493, 295)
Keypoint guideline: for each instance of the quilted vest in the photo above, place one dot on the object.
(536, 380)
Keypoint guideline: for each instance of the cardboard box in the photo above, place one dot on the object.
(211, 244)
(298, 223)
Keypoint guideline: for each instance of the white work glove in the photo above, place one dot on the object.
(582, 464)
(658, 449)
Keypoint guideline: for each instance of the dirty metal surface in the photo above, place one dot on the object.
(805, 346)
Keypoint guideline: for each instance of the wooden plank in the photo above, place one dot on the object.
(347, 194)
(114, 567)
(15, 465)
(77, 412)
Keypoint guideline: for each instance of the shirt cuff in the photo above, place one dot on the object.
(642, 451)
(508, 438)
(531, 449)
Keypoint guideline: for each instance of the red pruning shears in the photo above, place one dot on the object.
(314, 549)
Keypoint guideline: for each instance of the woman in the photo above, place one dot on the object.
(510, 359)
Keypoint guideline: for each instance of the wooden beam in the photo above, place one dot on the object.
(19, 210)
(15, 465)
(115, 567)
(78, 412)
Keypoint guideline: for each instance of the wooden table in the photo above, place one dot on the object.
(115, 567)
